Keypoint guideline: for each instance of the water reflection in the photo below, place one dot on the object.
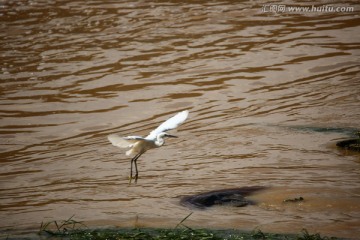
(73, 72)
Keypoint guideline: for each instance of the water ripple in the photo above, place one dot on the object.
(73, 72)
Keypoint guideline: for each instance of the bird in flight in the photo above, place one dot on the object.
(138, 145)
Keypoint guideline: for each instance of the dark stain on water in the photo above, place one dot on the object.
(343, 130)
(235, 197)
(72, 72)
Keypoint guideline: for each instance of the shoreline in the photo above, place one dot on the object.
(182, 232)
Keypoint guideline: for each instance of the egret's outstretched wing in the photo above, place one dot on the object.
(123, 142)
(169, 124)
(134, 138)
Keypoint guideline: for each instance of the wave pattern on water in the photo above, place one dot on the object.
(74, 71)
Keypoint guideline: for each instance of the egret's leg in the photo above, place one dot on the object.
(133, 160)
(130, 176)
(136, 168)
(131, 166)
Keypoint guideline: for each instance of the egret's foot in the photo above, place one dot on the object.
(131, 178)
(136, 178)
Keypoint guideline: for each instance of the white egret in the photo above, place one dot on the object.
(156, 138)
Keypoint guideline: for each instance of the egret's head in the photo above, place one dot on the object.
(163, 135)
(160, 139)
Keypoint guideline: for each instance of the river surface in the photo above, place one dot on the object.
(269, 94)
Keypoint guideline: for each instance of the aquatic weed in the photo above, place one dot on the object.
(62, 228)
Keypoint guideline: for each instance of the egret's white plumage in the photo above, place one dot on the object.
(138, 145)
(169, 124)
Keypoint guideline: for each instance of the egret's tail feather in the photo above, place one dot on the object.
(129, 152)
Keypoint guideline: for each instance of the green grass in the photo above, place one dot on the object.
(74, 230)
(179, 234)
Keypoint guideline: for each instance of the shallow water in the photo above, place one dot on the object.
(269, 94)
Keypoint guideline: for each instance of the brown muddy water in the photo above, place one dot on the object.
(269, 94)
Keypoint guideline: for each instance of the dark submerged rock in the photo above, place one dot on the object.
(235, 197)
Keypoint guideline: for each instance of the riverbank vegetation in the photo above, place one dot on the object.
(74, 230)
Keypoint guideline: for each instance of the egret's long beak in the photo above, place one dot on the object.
(172, 136)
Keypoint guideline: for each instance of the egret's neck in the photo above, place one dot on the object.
(159, 140)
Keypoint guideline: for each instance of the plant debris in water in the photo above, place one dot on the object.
(350, 144)
(299, 199)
